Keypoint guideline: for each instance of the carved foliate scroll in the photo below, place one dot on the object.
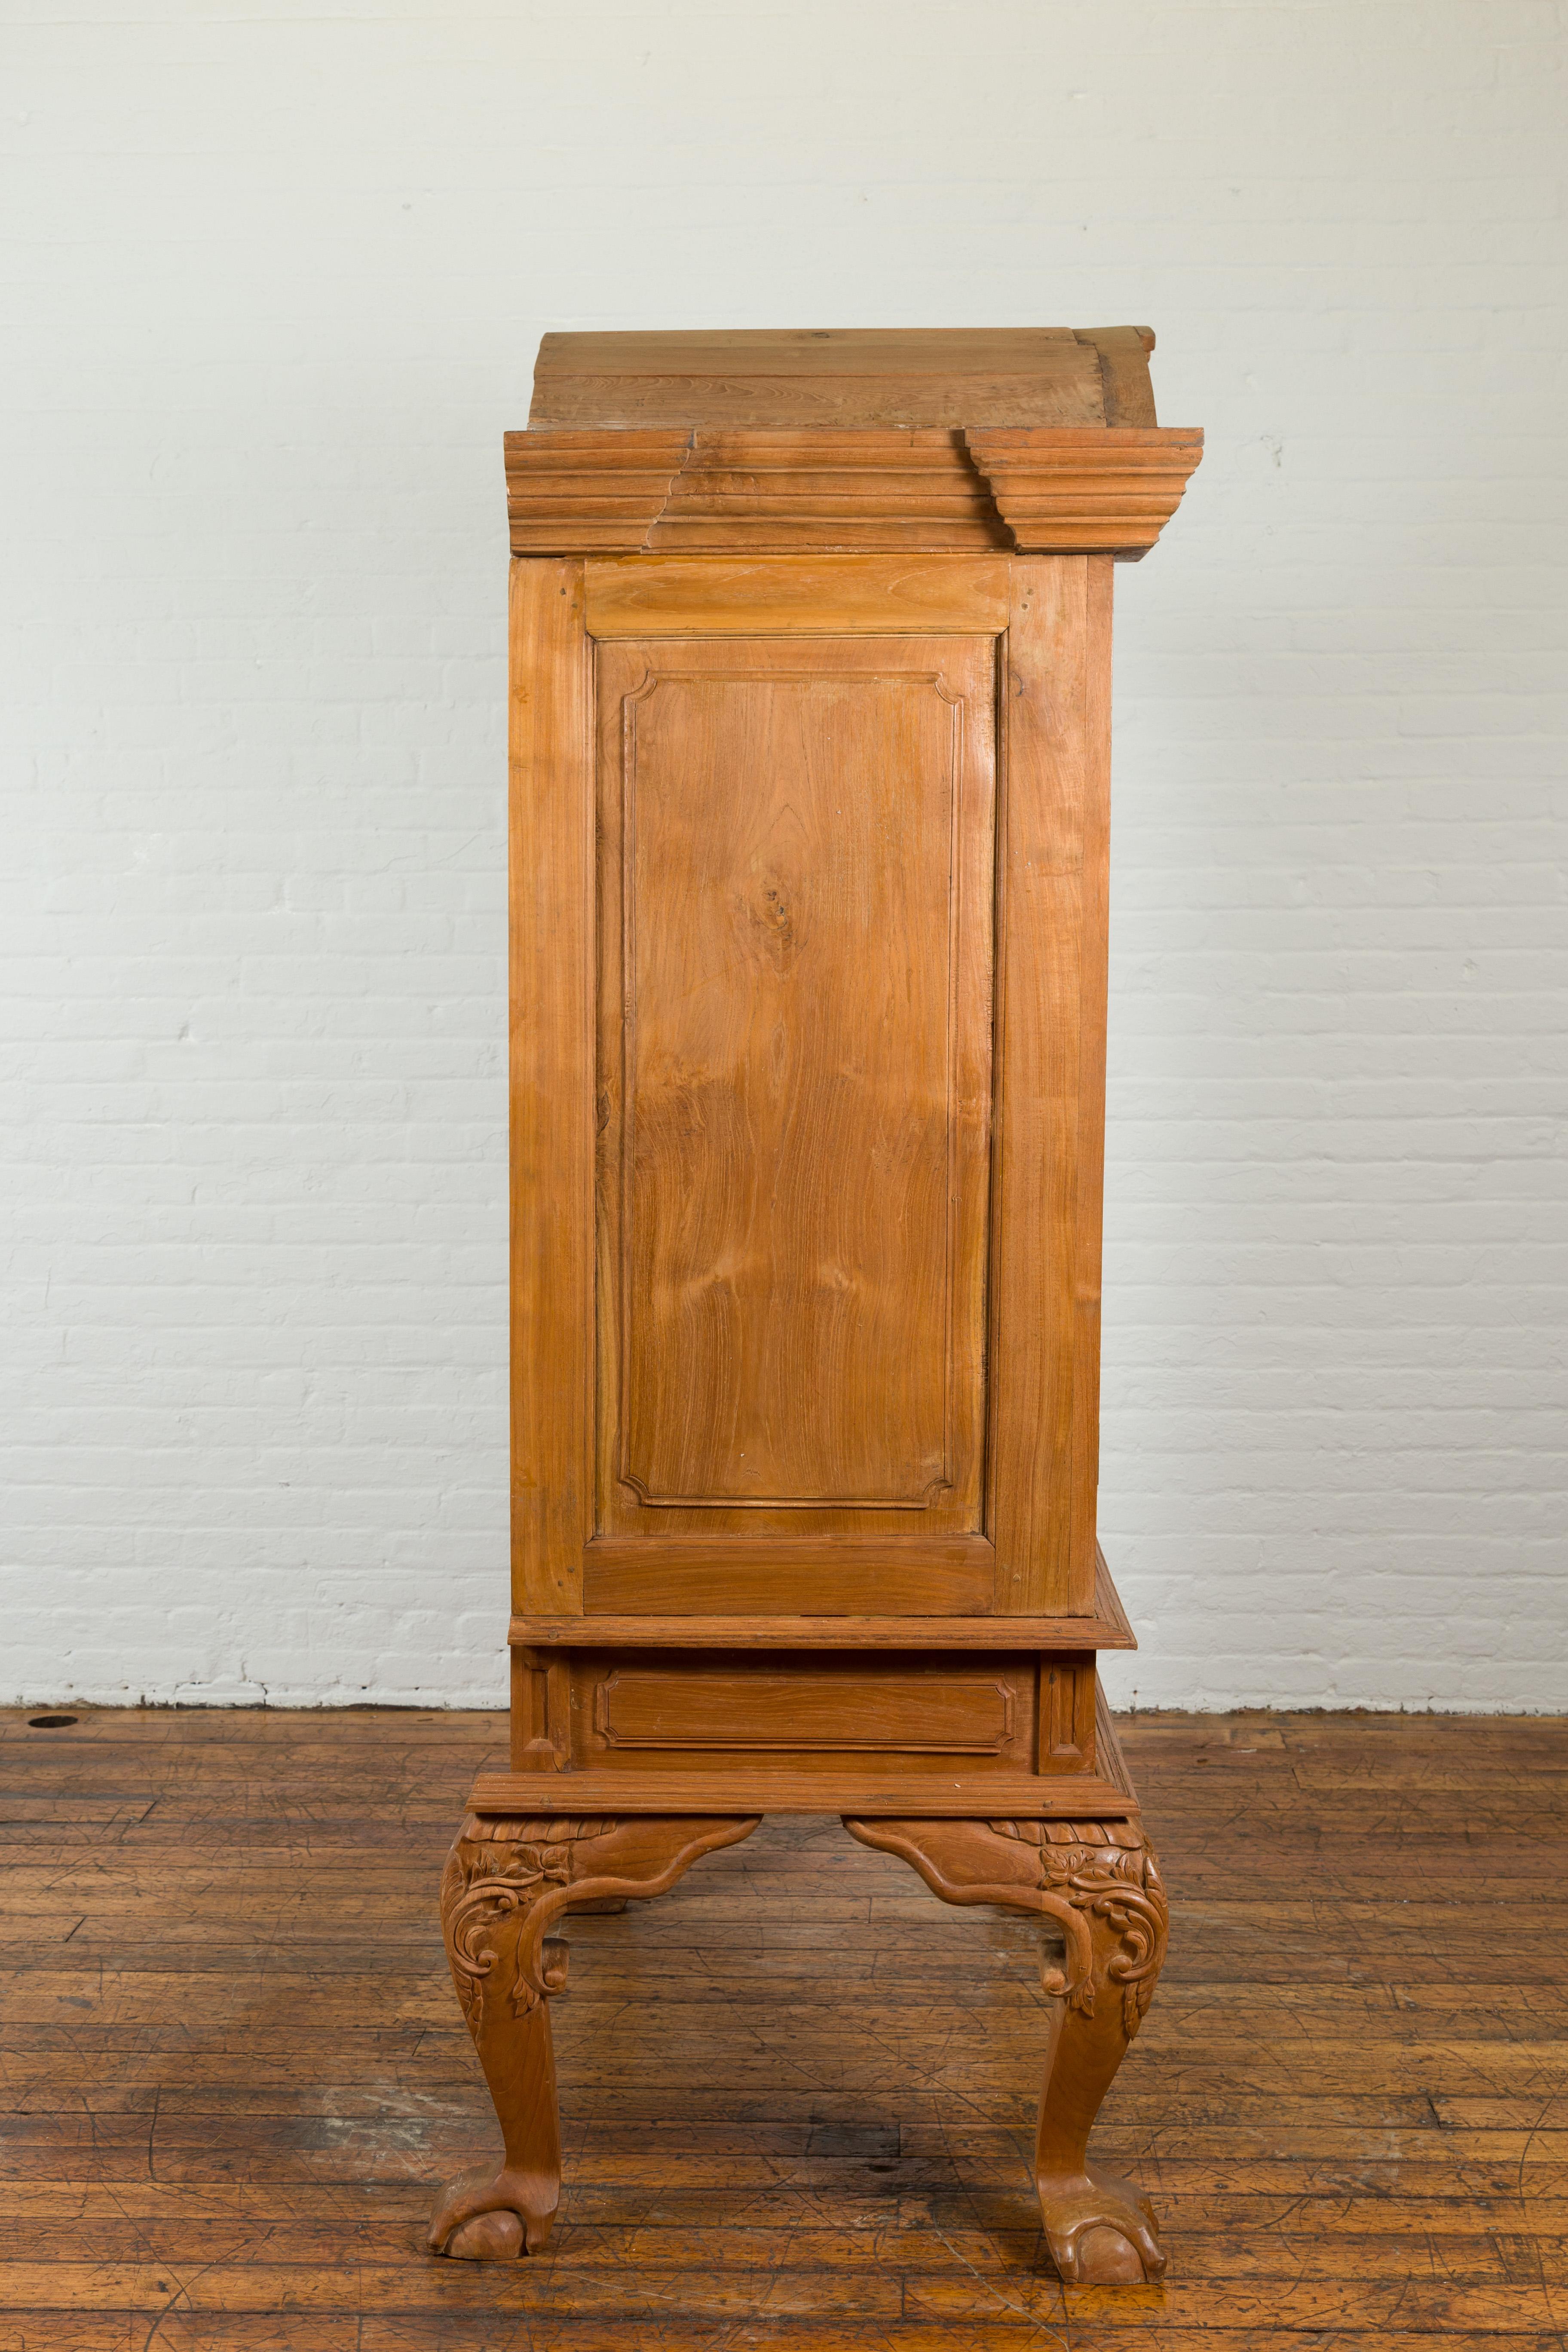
(496, 1870)
(1104, 1870)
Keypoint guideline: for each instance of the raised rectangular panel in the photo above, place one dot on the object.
(806, 1711)
(795, 894)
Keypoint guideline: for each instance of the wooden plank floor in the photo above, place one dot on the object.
(799, 2092)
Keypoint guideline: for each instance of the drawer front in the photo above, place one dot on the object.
(925, 1712)
(974, 1714)
(928, 1714)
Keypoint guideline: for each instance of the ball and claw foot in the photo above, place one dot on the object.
(485, 2216)
(1101, 2230)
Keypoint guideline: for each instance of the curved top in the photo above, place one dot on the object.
(846, 376)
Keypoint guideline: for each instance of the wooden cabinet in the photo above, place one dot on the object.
(810, 692)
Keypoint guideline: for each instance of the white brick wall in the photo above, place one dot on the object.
(278, 277)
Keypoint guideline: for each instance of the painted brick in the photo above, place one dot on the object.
(278, 275)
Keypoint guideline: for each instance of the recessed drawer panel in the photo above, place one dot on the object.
(973, 1713)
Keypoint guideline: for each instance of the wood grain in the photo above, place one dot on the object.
(1126, 394)
(568, 493)
(827, 493)
(822, 1303)
(1053, 836)
(505, 1885)
(804, 1783)
(798, 2091)
(823, 1632)
(1068, 1692)
(1062, 493)
(1085, 1559)
(795, 933)
(802, 1713)
(1107, 1629)
(552, 1086)
(807, 1711)
(822, 1575)
(835, 1711)
(835, 378)
(1042, 439)
(813, 596)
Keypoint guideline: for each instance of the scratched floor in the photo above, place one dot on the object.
(799, 2092)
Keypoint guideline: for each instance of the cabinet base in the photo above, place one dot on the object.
(1073, 1855)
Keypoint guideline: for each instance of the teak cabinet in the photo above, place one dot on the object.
(810, 692)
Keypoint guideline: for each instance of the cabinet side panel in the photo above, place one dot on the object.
(1050, 1042)
(551, 1088)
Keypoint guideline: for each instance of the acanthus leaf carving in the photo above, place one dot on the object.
(1109, 1871)
(495, 1871)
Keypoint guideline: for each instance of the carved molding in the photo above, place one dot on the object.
(824, 492)
(588, 493)
(1032, 489)
(1067, 491)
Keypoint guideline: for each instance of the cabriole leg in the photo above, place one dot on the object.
(506, 1883)
(1099, 1881)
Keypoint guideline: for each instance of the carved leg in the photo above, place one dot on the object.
(1099, 1881)
(506, 1883)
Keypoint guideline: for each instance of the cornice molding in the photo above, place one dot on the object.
(1029, 489)
(1063, 491)
(589, 493)
(823, 493)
